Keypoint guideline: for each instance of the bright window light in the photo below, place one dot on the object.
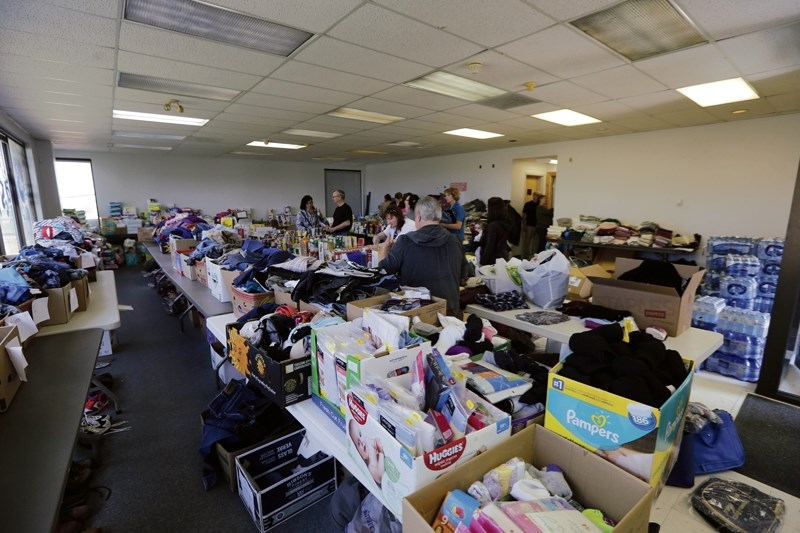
(475, 134)
(566, 117)
(553, 162)
(719, 92)
(167, 119)
(75, 184)
(367, 116)
(312, 133)
(271, 144)
(455, 86)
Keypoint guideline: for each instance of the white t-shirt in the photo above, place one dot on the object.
(392, 234)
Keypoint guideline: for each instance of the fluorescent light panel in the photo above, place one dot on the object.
(367, 116)
(141, 135)
(329, 158)
(553, 162)
(272, 144)
(167, 86)
(117, 145)
(312, 133)
(475, 134)
(409, 144)
(152, 117)
(639, 29)
(719, 92)
(218, 24)
(367, 152)
(566, 117)
(455, 86)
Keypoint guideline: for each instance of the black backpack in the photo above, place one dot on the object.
(735, 507)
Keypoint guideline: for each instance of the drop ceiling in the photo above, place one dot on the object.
(60, 61)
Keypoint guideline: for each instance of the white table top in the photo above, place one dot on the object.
(216, 325)
(695, 344)
(102, 311)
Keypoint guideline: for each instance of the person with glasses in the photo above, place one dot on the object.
(342, 215)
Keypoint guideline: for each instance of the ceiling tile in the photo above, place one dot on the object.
(660, 102)
(380, 29)
(619, 82)
(501, 71)
(309, 15)
(566, 94)
(304, 92)
(482, 113)
(448, 119)
(41, 68)
(776, 82)
(56, 22)
(266, 112)
(786, 103)
(390, 108)
(347, 57)
(103, 8)
(561, 10)
(643, 122)
(606, 111)
(328, 78)
(176, 70)
(755, 108)
(483, 21)
(279, 102)
(562, 52)
(53, 49)
(57, 87)
(531, 124)
(765, 50)
(158, 100)
(726, 18)
(690, 117)
(273, 123)
(418, 98)
(701, 64)
(146, 40)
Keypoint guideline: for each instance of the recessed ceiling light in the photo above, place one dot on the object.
(638, 29)
(719, 92)
(117, 145)
(272, 144)
(566, 117)
(167, 86)
(329, 158)
(142, 135)
(475, 134)
(455, 86)
(553, 162)
(738, 111)
(367, 116)
(404, 143)
(367, 152)
(312, 133)
(218, 24)
(167, 119)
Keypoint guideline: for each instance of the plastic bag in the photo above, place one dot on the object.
(547, 282)
(503, 276)
(373, 517)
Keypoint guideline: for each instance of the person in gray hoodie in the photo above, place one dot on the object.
(430, 257)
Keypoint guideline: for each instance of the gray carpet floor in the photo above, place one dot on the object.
(164, 381)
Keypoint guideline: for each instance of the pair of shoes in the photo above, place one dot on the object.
(95, 402)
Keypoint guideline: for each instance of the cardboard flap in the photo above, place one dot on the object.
(634, 286)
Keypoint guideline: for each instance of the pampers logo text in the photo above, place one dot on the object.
(594, 428)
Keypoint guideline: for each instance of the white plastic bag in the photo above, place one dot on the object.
(373, 517)
(502, 276)
(545, 281)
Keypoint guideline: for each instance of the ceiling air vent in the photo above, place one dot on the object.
(508, 100)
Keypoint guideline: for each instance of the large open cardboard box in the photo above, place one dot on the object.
(427, 313)
(650, 305)
(9, 379)
(595, 482)
(580, 286)
(59, 305)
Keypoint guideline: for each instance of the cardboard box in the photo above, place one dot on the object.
(272, 487)
(81, 287)
(188, 271)
(427, 313)
(285, 382)
(58, 306)
(244, 302)
(650, 305)
(403, 473)
(9, 380)
(580, 286)
(284, 298)
(599, 420)
(145, 235)
(220, 280)
(594, 482)
(178, 246)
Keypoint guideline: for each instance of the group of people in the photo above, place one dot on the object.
(309, 218)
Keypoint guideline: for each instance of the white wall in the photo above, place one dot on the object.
(211, 185)
(724, 179)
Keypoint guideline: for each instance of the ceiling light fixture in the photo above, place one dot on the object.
(553, 162)
(311, 133)
(739, 111)
(408, 144)
(167, 86)
(218, 24)
(272, 144)
(141, 135)
(566, 117)
(455, 86)
(152, 117)
(138, 146)
(719, 92)
(367, 116)
(474, 134)
(367, 152)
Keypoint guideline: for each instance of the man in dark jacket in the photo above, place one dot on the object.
(430, 257)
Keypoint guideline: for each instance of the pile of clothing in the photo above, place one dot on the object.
(181, 225)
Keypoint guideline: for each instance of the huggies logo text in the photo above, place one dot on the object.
(595, 427)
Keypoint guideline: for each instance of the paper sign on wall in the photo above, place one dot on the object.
(24, 323)
(460, 185)
(73, 300)
(40, 310)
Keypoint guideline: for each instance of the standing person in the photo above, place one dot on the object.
(309, 218)
(398, 199)
(429, 257)
(342, 216)
(529, 226)
(494, 242)
(544, 219)
(459, 215)
(387, 201)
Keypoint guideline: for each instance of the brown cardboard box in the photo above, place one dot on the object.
(202, 273)
(650, 305)
(427, 313)
(9, 380)
(145, 235)
(595, 482)
(58, 306)
(81, 287)
(244, 302)
(284, 298)
(580, 286)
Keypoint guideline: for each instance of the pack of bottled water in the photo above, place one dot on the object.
(742, 266)
(744, 321)
(716, 263)
(763, 304)
(738, 287)
(733, 366)
(706, 312)
(731, 245)
(770, 249)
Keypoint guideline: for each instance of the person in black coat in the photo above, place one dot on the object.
(494, 242)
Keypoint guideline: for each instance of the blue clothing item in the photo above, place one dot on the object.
(460, 216)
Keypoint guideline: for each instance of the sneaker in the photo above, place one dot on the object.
(95, 403)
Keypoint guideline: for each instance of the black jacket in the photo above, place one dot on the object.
(494, 242)
(430, 257)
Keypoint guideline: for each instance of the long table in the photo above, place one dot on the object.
(38, 432)
(695, 344)
(198, 295)
(102, 311)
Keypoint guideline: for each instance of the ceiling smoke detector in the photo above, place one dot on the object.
(474, 67)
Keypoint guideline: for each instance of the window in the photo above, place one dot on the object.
(17, 208)
(76, 188)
